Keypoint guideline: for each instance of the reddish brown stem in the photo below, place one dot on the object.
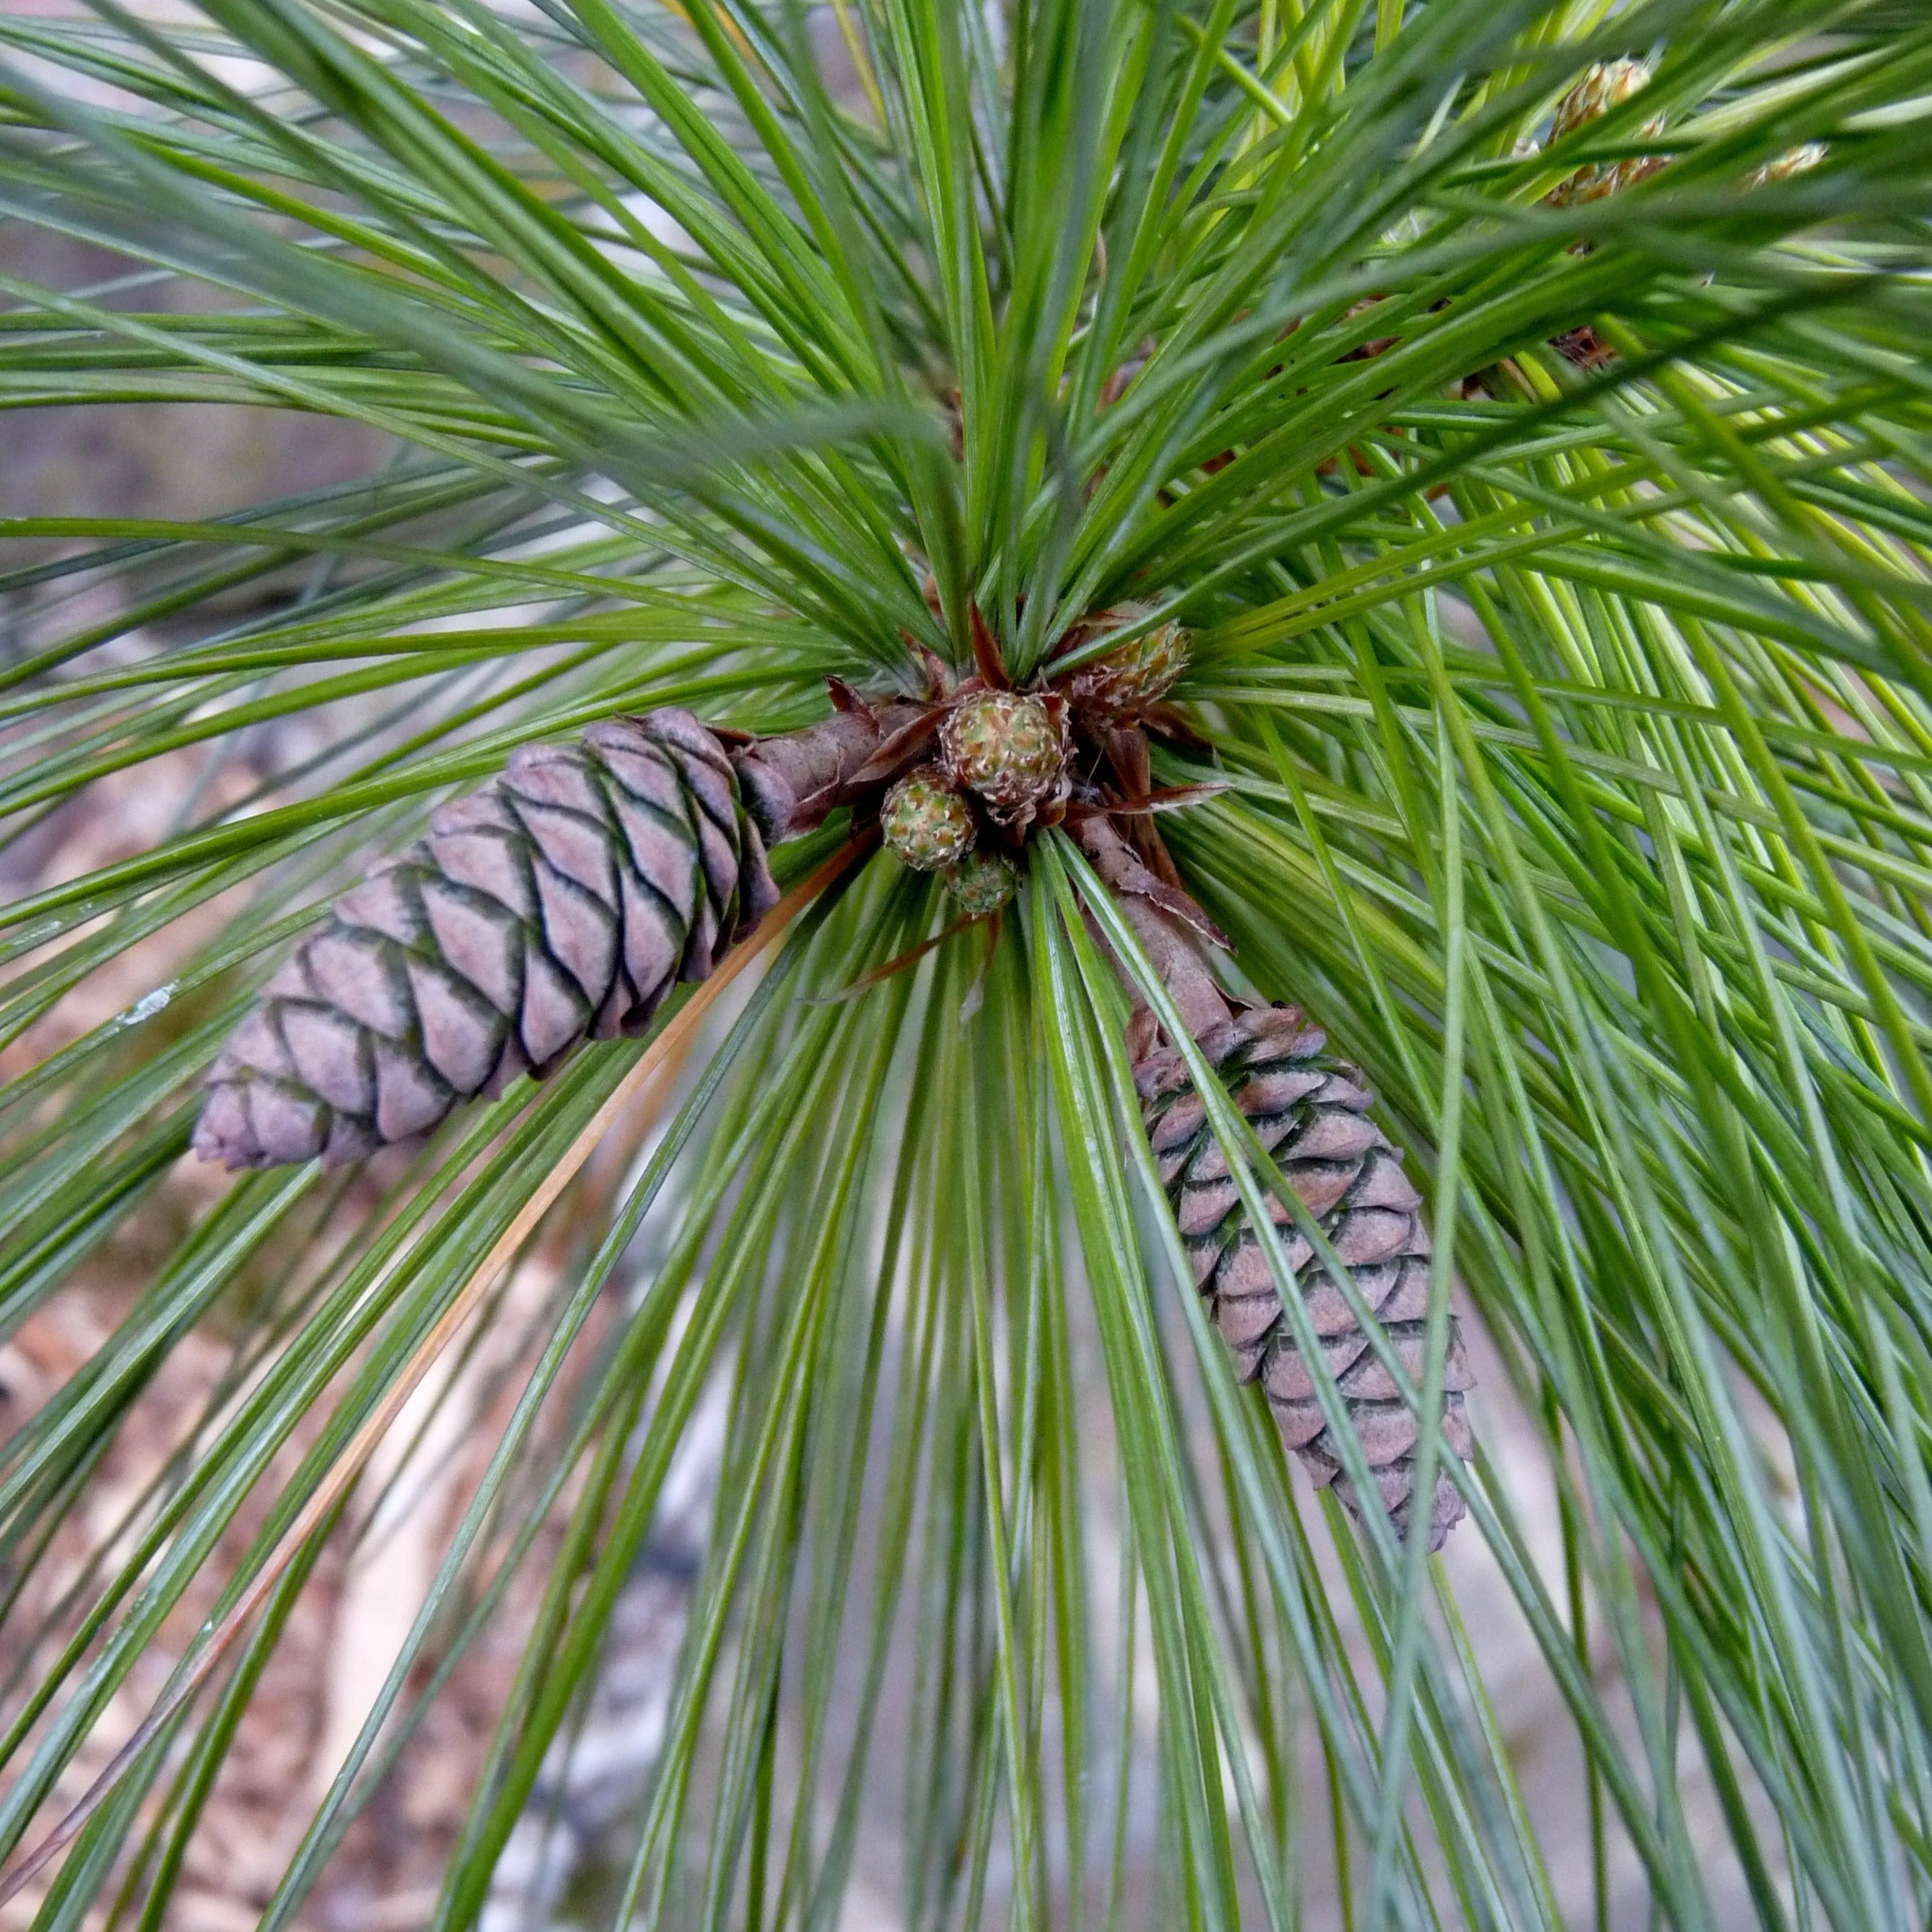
(791, 782)
(1144, 898)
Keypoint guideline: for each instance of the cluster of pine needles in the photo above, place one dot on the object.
(1520, 409)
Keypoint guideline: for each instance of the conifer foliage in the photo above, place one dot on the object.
(1094, 809)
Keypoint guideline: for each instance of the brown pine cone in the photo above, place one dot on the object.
(1311, 1114)
(559, 903)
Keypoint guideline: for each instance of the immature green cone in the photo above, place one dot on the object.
(1311, 1114)
(1119, 687)
(1010, 748)
(560, 902)
(982, 884)
(926, 823)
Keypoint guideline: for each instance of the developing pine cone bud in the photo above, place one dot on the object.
(1793, 161)
(1008, 747)
(982, 883)
(1605, 84)
(1121, 686)
(1584, 347)
(1608, 84)
(926, 824)
(561, 901)
(1311, 1114)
